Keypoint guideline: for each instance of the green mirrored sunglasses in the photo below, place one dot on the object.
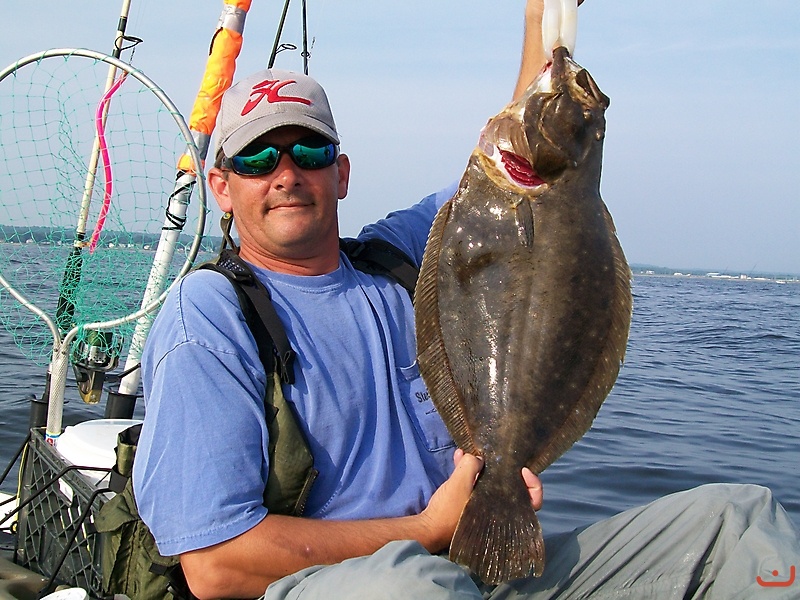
(315, 152)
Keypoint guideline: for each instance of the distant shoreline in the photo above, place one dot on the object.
(663, 272)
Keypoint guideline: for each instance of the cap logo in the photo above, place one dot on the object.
(270, 89)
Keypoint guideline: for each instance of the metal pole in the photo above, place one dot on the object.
(278, 36)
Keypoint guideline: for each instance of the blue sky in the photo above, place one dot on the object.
(703, 138)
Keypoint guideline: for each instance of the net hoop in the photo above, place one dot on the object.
(186, 133)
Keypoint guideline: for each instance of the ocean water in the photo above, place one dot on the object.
(710, 392)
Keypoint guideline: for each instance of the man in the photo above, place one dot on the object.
(388, 496)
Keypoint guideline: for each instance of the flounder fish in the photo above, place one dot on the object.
(523, 308)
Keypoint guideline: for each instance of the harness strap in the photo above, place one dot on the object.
(379, 257)
(291, 465)
(258, 298)
(125, 450)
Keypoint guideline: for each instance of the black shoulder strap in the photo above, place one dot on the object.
(259, 312)
(379, 257)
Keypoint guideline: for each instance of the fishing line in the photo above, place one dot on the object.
(305, 53)
(321, 18)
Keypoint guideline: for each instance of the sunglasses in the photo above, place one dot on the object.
(313, 152)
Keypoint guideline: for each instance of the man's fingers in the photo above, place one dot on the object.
(468, 466)
(535, 490)
(470, 463)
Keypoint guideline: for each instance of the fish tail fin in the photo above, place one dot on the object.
(498, 541)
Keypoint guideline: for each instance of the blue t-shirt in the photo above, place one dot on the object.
(379, 445)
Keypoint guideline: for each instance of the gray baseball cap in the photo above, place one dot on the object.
(269, 99)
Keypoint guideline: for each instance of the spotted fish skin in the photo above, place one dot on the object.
(523, 308)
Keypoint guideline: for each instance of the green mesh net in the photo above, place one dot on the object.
(48, 131)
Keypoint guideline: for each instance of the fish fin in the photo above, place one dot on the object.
(434, 364)
(498, 541)
(524, 216)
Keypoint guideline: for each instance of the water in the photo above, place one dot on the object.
(708, 393)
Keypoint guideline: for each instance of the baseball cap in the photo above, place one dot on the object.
(269, 99)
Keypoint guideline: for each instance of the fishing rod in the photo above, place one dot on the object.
(305, 53)
(278, 47)
(226, 44)
(276, 44)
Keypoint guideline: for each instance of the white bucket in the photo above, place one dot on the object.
(91, 444)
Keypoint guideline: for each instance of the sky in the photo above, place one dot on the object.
(703, 133)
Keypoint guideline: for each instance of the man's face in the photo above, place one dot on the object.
(287, 215)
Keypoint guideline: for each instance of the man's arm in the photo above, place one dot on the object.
(244, 566)
(533, 56)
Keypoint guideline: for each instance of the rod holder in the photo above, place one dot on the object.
(119, 405)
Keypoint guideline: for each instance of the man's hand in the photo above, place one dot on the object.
(534, 55)
(447, 503)
(534, 9)
(445, 506)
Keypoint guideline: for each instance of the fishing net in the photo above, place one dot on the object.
(77, 241)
